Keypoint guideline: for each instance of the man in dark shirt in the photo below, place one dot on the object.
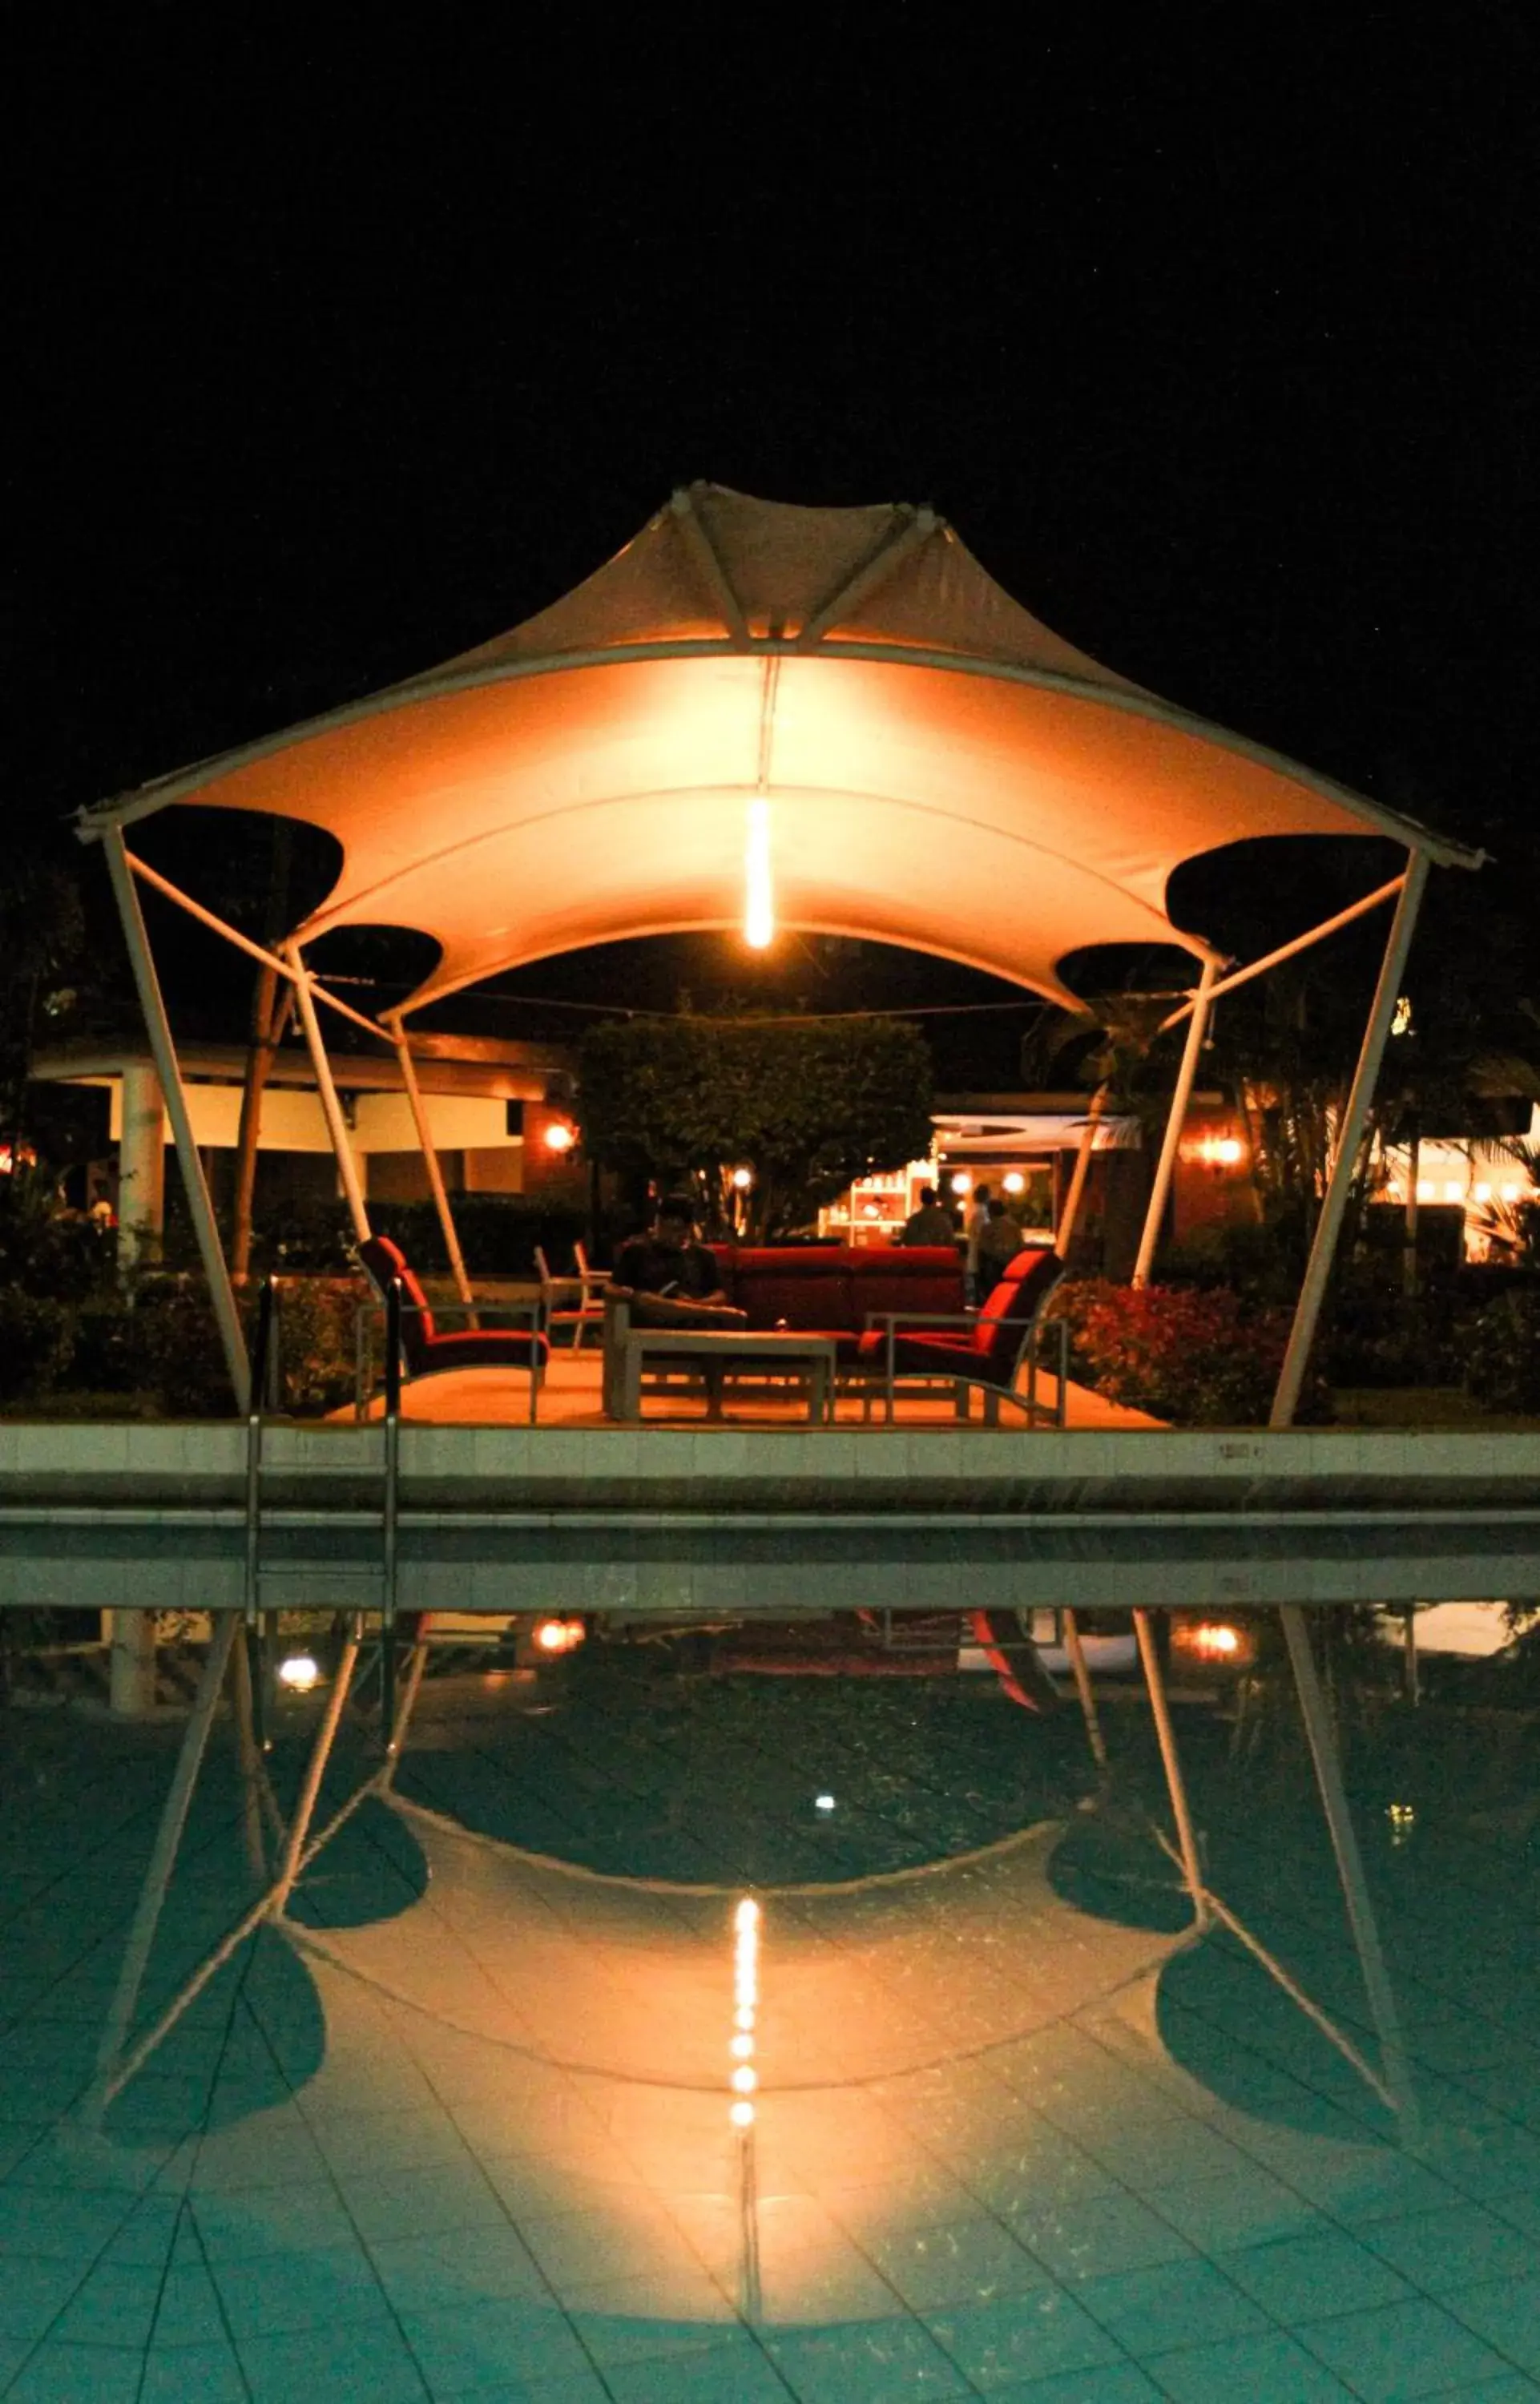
(669, 1262)
(929, 1223)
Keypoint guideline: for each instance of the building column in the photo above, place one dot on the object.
(131, 1664)
(141, 1168)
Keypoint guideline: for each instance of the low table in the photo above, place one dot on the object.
(719, 1351)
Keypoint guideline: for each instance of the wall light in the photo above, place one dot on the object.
(962, 1182)
(1013, 1181)
(559, 1635)
(559, 1136)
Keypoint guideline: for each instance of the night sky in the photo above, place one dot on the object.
(1212, 330)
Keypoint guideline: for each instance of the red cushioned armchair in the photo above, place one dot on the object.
(985, 1349)
(426, 1349)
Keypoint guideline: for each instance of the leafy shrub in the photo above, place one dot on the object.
(498, 1232)
(47, 1251)
(1375, 1336)
(37, 1339)
(1260, 1261)
(173, 1350)
(1201, 1358)
(315, 1342)
(1503, 1353)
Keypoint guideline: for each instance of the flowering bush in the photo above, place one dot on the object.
(1199, 1358)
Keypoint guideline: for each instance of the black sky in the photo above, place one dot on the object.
(1212, 328)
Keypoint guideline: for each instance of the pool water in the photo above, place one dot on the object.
(469, 2131)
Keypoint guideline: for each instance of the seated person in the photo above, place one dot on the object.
(668, 1261)
(930, 1224)
(999, 1239)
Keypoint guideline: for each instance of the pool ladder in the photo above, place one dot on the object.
(266, 1396)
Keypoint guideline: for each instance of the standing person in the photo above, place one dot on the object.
(999, 1239)
(929, 1223)
(977, 1220)
(669, 1262)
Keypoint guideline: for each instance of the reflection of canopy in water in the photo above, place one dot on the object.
(942, 770)
(846, 691)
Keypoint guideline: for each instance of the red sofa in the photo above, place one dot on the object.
(833, 1289)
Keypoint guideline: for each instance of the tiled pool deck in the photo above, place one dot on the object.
(468, 2136)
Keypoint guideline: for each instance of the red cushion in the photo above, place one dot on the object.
(896, 1277)
(1025, 1284)
(384, 1261)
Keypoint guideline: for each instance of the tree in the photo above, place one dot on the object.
(808, 1105)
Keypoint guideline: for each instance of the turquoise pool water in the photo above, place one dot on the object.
(467, 2132)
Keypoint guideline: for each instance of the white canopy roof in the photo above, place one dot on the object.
(941, 770)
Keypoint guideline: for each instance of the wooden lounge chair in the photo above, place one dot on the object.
(426, 1349)
(985, 1349)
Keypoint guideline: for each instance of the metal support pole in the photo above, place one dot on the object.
(1414, 1683)
(250, 1758)
(168, 1837)
(298, 1826)
(1355, 1119)
(403, 1717)
(431, 1159)
(1197, 1027)
(1191, 1869)
(1350, 1861)
(1064, 1232)
(389, 1506)
(325, 1087)
(1076, 1651)
(167, 1068)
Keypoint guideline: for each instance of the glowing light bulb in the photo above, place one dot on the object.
(743, 1179)
(742, 2115)
(1481, 1194)
(824, 1802)
(743, 2016)
(962, 1182)
(299, 1673)
(559, 1136)
(759, 907)
(744, 2078)
(741, 2048)
(1453, 1192)
(1013, 1181)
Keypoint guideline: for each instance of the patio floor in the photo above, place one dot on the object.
(569, 1397)
(466, 2135)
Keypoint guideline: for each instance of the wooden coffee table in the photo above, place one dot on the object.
(720, 1352)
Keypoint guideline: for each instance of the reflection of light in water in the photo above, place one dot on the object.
(1403, 1820)
(743, 2080)
(1476, 1630)
(746, 1996)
